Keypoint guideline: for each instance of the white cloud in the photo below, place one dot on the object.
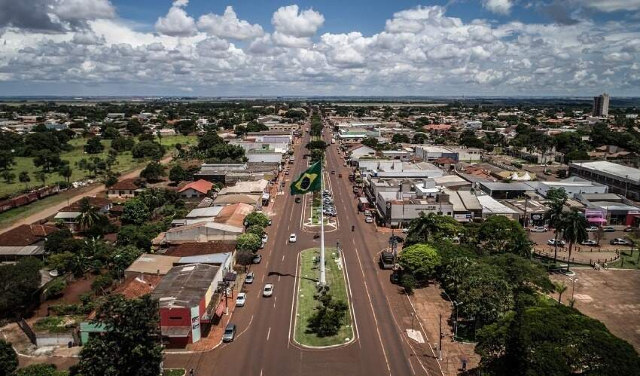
(70, 10)
(229, 26)
(611, 5)
(291, 21)
(177, 23)
(498, 6)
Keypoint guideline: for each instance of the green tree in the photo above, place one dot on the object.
(47, 159)
(8, 358)
(421, 260)
(256, 218)
(40, 370)
(65, 171)
(408, 283)
(329, 316)
(17, 284)
(560, 288)
(431, 227)
(93, 146)
(153, 172)
(558, 198)
(209, 140)
(177, 174)
(129, 345)
(484, 295)
(574, 229)
(135, 212)
(148, 149)
(7, 159)
(8, 176)
(400, 138)
(248, 242)
(500, 234)
(24, 178)
(244, 258)
(89, 215)
(257, 230)
(370, 142)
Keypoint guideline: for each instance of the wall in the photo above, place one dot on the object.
(53, 339)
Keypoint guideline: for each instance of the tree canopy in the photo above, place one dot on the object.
(421, 260)
(499, 234)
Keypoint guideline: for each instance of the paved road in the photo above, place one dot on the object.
(263, 346)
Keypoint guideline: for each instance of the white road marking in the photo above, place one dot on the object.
(293, 299)
(282, 257)
(353, 309)
(268, 333)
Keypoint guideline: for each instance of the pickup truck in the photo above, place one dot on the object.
(387, 260)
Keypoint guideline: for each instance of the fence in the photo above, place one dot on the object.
(591, 262)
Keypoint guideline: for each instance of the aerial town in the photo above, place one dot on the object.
(321, 188)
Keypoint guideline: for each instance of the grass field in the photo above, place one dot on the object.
(309, 274)
(627, 260)
(125, 162)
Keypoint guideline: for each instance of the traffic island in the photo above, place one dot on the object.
(308, 301)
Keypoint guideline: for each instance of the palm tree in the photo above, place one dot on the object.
(560, 289)
(574, 229)
(89, 215)
(555, 220)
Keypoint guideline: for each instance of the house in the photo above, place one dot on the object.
(234, 214)
(187, 300)
(197, 249)
(202, 232)
(196, 189)
(255, 200)
(247, 187)
(362, 151)
(204, 214)
(24, 241)
(69, 214)
(124, 189)
(150, 264)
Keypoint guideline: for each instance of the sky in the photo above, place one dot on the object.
(319, 48)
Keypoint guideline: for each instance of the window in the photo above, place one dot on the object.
(175, 318)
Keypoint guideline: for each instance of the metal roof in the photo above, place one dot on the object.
(609, 168)
(185, 285)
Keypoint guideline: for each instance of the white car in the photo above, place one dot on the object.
(241, 299)
(589, 242)
(293, 238)
(592, 228)
(554, 242)
(538, 229)
(265, 238)
(268, 290)
(368, 219)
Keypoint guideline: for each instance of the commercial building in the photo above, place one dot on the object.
(620, 179)
(601, 105)
(505, 190)
(397, 209)
(610, 209)
(572, 186)
(456, 153)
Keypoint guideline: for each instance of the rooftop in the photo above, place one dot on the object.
(611, 168)
(201, 186)
(24, 235)
(149, 263)
(185, 285)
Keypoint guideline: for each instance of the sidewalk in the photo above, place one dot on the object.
(429, 305)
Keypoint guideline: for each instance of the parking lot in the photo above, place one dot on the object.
(541, 241)
(611, 296)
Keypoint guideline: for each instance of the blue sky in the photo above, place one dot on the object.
(356, 47)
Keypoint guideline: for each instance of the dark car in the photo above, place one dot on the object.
(229, 333)
(298, 200)
(257, 259)
(395, 278)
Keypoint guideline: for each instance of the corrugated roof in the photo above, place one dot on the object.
(185, 285)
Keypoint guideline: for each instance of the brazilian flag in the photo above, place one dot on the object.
(308, 181)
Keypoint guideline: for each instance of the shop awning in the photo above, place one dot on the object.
(221, 308)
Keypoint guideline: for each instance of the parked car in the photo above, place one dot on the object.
(619, 241)
(538, 229)
(608, 229)
(249, 278)
(229, 333)
(268, 290)
(589, 242)
(368, 219)
(629, 229)
(265, 238)
(333, 172)
(339, 175)
(241, 299)
(293, 238)
(405, 230)
(270, 222)
(257, 259)
(298, 200)
(554, 242)
(592, 228)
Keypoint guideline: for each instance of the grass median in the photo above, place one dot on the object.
(309, 273)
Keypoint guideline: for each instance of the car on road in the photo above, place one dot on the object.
(293, 238)
(268, 290)
(589, 242)
(538, 229)
(229, 333)
(256, 259)
(368, 219)
(333, 172)
(608, 229)
(241, 299)
(619, 241)
(270, 222)
(556, 242)
(249, 278)
(339, 175)
(592, 228)
(405, 230)
(298, 200)
(629, 229)
(265, 238)
(286, 172)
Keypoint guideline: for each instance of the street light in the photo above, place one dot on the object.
(456, 304)
(573, 288)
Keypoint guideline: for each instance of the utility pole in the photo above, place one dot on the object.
(440, 342)
(323, 278)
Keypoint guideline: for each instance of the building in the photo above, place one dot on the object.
(24, 241)
(397, 209)
(505, 190)
(150, 264)
(601, 105)
(530, 212)
(69, 214)
(201, 232)
(124, 189)
(620, 179)
(610, 208)
(466, 206)
(185, 302)
(196, 189)
(456, 153)
(491, 206)
(572, 186)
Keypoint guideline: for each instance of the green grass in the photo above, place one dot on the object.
(626, 261)
(174, 372)
(309, 274)
(52, 324)
(170, 141)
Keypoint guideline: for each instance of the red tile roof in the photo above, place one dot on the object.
(26, 235)
(136, 287)
(97, 202)
(125, 185)
(201, 186)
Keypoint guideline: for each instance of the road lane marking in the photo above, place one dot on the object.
(353, 309)
(373, 312)
(293, 299)
(268, 333)
(282, 257)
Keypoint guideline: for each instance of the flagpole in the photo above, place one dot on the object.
(323, 279)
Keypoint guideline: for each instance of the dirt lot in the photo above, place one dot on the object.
(610, 296)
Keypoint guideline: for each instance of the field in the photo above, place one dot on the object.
(306, 304)
(125, 162)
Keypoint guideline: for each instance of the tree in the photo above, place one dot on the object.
(148, 149)
(8, 358)
(257, 230)
(177, 174)
(8, 176)
(89, 215)
(558, 198)
(153, 172)
(408, 283)
(421, 260)
(65, 171)
(370, 142)
(419, 138)
(484, 295)
(248, 242)
(17, 284)
(129, 345)
(47, 159)
(93, 146)
(121, 143)
(244, 258)
(432, 227)
(328, 317)
(256, 218)
(574, 229)
(400, 138)
(560, 288)
(24, 178)
(135, 212)
(500, 234)
(7, 159)
(209, 140)
(40, 370)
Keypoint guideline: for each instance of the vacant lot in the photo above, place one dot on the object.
(611, 296)
(125, 162)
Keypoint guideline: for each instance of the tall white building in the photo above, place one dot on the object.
(601, 105)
